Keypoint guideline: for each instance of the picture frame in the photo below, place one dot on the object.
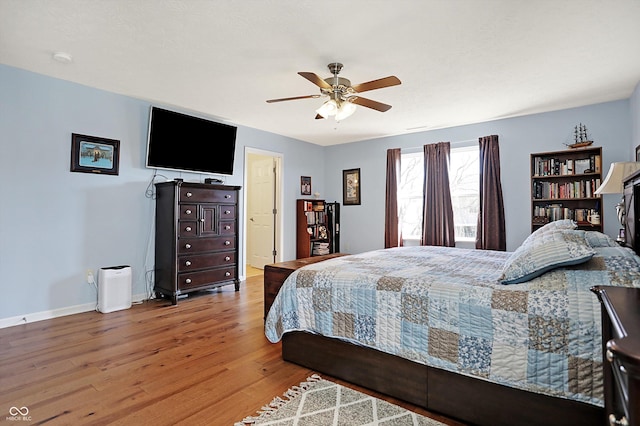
(351, 184)
(305, 185)
(638, 153)
(92, 154)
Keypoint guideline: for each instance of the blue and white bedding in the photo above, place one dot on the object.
(447, 308)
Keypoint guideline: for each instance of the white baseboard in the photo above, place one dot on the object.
(55, 313)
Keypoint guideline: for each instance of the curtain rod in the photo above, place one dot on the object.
(418, 148)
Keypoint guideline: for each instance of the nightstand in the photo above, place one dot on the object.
(276, 273)
(621, 353)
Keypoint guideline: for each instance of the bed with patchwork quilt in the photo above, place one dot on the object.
(524, 320)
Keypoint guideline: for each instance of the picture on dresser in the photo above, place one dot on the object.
(91, 154)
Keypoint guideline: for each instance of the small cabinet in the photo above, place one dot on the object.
(563, 185)
(317, 228)
(196, 245)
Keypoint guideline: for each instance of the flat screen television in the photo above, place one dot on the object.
(185, 143)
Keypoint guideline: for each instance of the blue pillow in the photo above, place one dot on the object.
(544, 252)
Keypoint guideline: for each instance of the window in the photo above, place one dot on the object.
(464, 177)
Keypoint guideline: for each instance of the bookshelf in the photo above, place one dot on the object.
(563, 185)
(317, 228)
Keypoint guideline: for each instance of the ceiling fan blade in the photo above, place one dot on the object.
(315, 79)
(293, 98)
(379, 106)
(377, 84)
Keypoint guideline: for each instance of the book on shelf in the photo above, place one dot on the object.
(543, 166)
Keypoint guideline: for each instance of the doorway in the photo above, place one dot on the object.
(263, 226)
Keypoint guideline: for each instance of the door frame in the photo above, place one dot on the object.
(279, 238)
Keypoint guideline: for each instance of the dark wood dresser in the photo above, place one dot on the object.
(196, 245)
(276, 273)
(621, 353)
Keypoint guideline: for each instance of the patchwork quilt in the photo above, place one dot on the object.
(446, 308)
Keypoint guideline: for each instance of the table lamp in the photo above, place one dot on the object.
(614, 184)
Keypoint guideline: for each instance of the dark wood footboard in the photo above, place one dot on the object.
(456, 396)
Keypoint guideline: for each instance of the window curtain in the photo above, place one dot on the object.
(392, 232)
(437, 211)
(490, 233)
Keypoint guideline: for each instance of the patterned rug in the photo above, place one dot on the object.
(319, 402)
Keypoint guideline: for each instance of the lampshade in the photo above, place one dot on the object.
(328, 108)
(345, 110)
(614, 182)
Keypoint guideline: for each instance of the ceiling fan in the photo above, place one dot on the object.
(343, 97)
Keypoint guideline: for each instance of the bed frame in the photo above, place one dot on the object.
(454, 395)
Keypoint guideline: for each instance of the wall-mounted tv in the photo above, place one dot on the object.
(189, 144)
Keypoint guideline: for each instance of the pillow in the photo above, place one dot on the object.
(555, 225)
(547, 251)
(598, 239)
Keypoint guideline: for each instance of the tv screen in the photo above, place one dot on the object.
(185, 143)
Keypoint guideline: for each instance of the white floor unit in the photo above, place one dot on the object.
(114, 288)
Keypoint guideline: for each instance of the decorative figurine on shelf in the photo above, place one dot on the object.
(580, 139)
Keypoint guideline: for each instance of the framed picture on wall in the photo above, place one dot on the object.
(91, 154)
(351, 187)
(305, 185)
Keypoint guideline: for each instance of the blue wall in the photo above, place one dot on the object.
(54, 224)
(362, 226)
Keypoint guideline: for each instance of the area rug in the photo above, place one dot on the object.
(319, 402)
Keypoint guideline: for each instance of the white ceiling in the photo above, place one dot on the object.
(460, 61)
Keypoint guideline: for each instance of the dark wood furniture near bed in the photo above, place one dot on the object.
(631, 226)
(276, 273)
(460, 397)
(621, 349)
(196, 245)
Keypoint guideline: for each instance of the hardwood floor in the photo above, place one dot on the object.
(204, 361)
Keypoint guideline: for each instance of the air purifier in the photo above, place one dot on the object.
(114, 288)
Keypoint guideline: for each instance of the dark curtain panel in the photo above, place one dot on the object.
(491, 233)
(392, 233)
(437, 211)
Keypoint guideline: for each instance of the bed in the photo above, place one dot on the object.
(438, 327)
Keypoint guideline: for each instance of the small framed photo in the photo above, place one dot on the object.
(351, 187)
(638, 153)
(305, 185)
(91, 154)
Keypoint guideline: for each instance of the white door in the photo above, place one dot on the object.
(261, 210)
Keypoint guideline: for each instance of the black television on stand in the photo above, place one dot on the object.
(186, 143)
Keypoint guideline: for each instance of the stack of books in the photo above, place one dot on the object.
(320, 248)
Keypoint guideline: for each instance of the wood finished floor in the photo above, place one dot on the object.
(204, 361)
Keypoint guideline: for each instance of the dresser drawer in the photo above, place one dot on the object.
(187, 228)
(197, 195)
(203, 278)
(198, 245)
(227, 212)
(201, 261)
(188, 211)
(227, 228)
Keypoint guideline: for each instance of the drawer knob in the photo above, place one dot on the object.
(187, 263)
(189, 194)
(227, 227)
(202, 219)
(226, 243)
(227, 258)
(188, 281)
(609, 356)
(227, 212)
(613, 420)
(188, 229)
(187, 246)
(227, 196)
(227, 274)
(187, 211)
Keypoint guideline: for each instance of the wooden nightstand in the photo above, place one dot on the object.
(621, 353)
(276, 273)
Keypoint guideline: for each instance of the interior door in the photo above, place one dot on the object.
(261, 211)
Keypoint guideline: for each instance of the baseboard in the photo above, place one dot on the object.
(55, 313)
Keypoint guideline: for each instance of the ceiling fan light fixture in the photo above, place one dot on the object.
(346, 110)
(328, 108)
